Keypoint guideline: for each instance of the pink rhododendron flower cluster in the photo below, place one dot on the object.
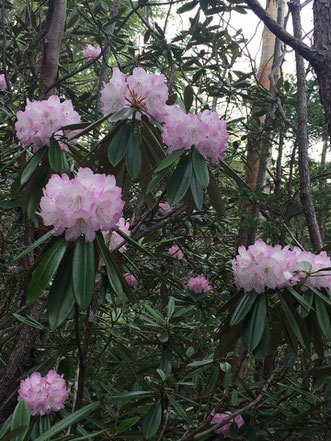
(165, 208)
(140, 90)
(261, 267)
(176, 252)
(205, 130)
(131, 280)
(41, 119)
(82, 205)
(43, 394)
(224, 430)
(198, 285)
(3, 82)
(113, 239)
(91, 52)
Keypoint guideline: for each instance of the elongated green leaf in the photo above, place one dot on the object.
(122, 114)
(155, 180)
(254, 324)
(112, 272)
(118, 146)
(133, 156)
(126, 424)
(57, 159)
(232, 174)
(46, 269)
(200, 169)
(188, 97)
(291, 321)
(197, 191)
(215, 196)
(5, 426)
(243, 307)
(171, 307)
(308, 298)
(306, 305)
(262, 348)
(321, 295)
(30, 322)
(90, 127)
(68, 421)
(152, 420)
(323, 317)
(83, 272)
(179, 410)
(34, 245)
(134, 243)
(33, 203)
(179, 181)
(61, 298)
(32, 165)
(133, 394)
(21, 417)
(169, 160)
(14, 433)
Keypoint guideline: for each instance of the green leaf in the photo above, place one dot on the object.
(323, 317)
(122, 114)
(171, 307)
(112, 271)
(197, 191)
(32, 165)
(152, 420)
(126, 424)
(46, 269)
(200, 169)
(179, 410)
(243, 307)
(306, 305)
(68, 421)
(30, 322)
(61, 298)
(155, 180)
(118, 146)
(215, 196)
(57, 159)
(169, 160)
(212, 380)
(291, 321)
(14, 433)
(262, 348)
(320, 295)
(233, 175)
(90, 127)
(187, 7)
(133, 156)
(307, 266)
(21, 417)
(188, 97)
(83, 272)
(179, 181)
(34, 245)
(133, 394)
(254, 323)
(33, 203)
(5, 426)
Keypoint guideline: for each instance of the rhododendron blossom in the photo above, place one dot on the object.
(206, 131)
(130, 279)
(198, 285)
(224, 430)
(176, 252)
(43, 394)
(261, 267)
(114, 240)
(165, 208)
(140, 90)
(82, 205)
(3, 82)
(42, 119)
(91, 52)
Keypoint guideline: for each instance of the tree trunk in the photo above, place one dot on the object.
(53, 41)
(302, 137)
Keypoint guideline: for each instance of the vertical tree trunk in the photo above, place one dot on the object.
(321, 186)
(302, 136)
(53, 41)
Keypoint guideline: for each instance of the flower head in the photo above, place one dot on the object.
(175, 252)
(224, 430)
(42, 119)
(165, 208)
(3, 82)
(43, 394)
(198, 285)
(130, 279)
(82, 205)
(91, 52)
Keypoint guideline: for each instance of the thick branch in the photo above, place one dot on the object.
(310, 54)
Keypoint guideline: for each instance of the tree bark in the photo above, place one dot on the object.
(53, 41)
(302, 137)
